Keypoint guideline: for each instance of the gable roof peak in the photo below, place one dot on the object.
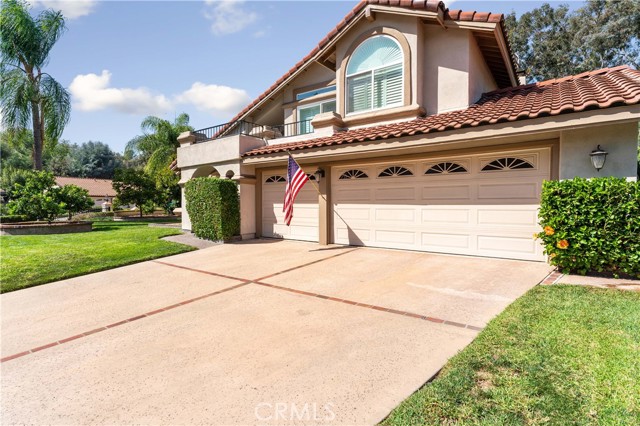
(424, 5)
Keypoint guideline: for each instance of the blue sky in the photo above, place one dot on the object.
(124, 60)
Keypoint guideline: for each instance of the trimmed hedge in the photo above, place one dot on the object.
(214, 207)
(13, 218)
(592, 225)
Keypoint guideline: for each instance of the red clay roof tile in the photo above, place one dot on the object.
(96, 187)
(592, 90)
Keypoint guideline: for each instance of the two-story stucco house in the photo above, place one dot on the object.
(421, 135)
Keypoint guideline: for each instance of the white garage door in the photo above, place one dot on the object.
(304, 225)
(484, 205)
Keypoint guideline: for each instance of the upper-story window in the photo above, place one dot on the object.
(310, 93)
(307, 112)
(374, 75)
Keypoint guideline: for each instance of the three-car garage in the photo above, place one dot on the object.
(482, 204)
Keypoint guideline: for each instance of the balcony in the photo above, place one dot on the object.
(247, 128)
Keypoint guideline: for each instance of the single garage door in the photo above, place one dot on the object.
(483, 205)
(304, 225)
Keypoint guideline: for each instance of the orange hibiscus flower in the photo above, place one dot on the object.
(549, 230)
(562, 244)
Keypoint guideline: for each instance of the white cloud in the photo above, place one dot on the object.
(228, 16)
(91, 92)
(219, 100)
(71, 9)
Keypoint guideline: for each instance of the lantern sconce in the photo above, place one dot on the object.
(318, 174)
(598, 157)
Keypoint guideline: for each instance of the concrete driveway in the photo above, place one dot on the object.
(263, 332)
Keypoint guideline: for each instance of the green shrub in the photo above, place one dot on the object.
(214, 208)
(94, 216)
(37, 198)
(592, 225)
(12, 218)
(74, 199)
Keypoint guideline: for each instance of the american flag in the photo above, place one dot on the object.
(296, 178)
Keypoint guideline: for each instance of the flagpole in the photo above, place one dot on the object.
(312, 183)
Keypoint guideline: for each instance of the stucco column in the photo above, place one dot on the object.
(324, 207)
(247, 190)
(186, 220)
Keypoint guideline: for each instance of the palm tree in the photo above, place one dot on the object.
(26, 92)
(157, 146)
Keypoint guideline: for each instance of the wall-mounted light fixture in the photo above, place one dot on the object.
(598, 157)
(318, 174)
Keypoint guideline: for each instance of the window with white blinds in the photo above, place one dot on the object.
(306, 114)
(375, 75)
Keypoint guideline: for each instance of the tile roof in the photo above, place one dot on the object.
(598, 89)
(428, 5)
(96, 187)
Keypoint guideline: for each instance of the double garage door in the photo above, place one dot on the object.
(484, 205)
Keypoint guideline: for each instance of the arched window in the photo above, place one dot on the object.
(445, 167)
(507, 163)
(395, 171)
(275, 179)
(353, 174)
(374, 75)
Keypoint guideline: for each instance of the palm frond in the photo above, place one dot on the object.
(159, 160)
(56, 107)
(51, 25)
(16, 95)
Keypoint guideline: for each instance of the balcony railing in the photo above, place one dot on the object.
(242, 127)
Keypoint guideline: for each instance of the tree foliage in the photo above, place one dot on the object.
(156, 147)
(555, 42)
(134, 186)
(167, 190)
(15, 149)
(30, 97)
(87, 160)
(36, 198)
(74, 199)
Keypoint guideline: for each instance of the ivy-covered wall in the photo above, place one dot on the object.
(592, 225)
(214, 207)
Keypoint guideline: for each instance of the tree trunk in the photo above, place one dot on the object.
(140, 210)
(37, 136)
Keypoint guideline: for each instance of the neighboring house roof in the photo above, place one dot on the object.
(599, 89)
(96, 187)
(426, 5)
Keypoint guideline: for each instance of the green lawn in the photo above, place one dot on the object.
(27, 261)
(560, 355)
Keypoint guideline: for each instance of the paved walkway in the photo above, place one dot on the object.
(266, 332)
(191, 240)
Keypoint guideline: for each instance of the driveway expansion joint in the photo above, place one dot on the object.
(368, 306)
(119, 323)
(243, 282)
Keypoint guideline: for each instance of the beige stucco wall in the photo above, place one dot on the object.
(619, 140)
(480, 78)
(224, 154)
(312, 75)
(446, 69)
(455, 74)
